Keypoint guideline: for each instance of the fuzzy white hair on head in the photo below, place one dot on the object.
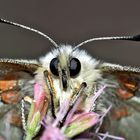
(88, 73)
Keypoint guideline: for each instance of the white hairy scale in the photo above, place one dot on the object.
(88, 73)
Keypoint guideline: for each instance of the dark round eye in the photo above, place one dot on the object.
(75, 67)
(54, 66)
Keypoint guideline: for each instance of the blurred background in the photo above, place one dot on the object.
(71, 22)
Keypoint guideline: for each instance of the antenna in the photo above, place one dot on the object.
(30, 29)
(130, 38)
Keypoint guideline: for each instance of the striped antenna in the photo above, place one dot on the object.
(130, 38)
(30, 29)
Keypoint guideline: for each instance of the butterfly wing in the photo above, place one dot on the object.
(123, 93)
(16, 82)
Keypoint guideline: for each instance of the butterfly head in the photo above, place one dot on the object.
(70, 68)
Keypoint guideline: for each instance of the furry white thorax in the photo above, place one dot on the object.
(88, 73)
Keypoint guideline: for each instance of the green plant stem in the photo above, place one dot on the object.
(28, 137)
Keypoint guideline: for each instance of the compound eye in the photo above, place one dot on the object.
(75, 67)
(54, 66)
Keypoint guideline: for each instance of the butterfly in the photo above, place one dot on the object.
(70, 67)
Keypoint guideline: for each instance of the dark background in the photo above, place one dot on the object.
(70, 22)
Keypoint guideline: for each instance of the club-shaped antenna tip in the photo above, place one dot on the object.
(136, 37)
